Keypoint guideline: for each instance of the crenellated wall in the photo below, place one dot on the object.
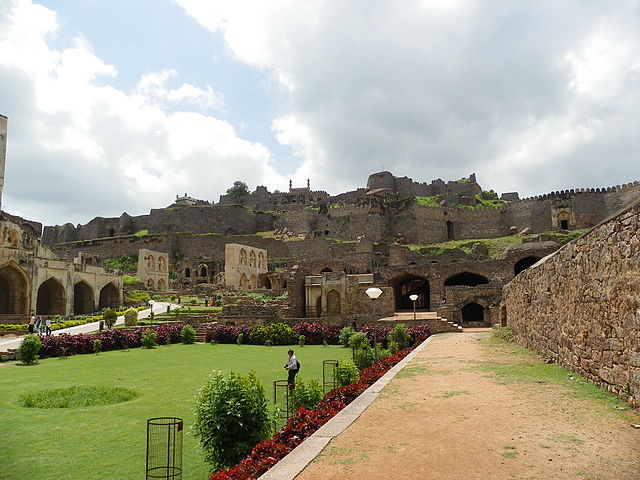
(581, 305)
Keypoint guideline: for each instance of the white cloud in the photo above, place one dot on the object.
(91, 149)
(509, 90)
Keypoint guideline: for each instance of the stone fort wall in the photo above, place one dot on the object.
(581, 305)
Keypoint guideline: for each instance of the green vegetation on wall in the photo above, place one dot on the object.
(126, 263)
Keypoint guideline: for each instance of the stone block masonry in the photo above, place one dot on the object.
(581, 305)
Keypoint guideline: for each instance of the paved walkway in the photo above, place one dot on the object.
(448, 414)
(158, 307)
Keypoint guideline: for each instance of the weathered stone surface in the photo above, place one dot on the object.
(582, 303)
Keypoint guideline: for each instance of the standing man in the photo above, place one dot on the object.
(292, 366)
(32, 322)
(48, 326)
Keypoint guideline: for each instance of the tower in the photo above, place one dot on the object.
(3, 152)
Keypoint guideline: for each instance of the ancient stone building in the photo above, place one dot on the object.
(33, 279)
(581, 305)
(243, 266)
(153, 269)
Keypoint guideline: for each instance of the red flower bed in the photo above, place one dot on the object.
(315, 334)
(305, 423)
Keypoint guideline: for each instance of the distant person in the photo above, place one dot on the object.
(32, 322)
(292, 366)
(443, 302)
(206, 302)
(39, 324)
(47, 324)
(354, 325)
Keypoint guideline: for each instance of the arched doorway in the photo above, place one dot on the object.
(524, 263)
(83, 301)
(473, 315)
(51, 298)
(14, 288)
(466, 279)
(326, 270)
(333, 303)
(162, 285)
(109, 297)
(411, 285)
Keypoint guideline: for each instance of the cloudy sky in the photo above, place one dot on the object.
(118, 105)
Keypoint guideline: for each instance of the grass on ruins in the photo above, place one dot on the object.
(108, 441)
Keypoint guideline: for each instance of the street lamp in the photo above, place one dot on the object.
(374, 293)
(413, 298)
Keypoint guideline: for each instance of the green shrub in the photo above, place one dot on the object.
(359, 340)
(345, 335)
(109, 316)
(301, 340)
(188, 335)
(278, 333)
(240, 338)
(149, 339)
(137, 296)
(504, 333)
(131, 317)
(347, 373)
(231, 418)
(393, 347)
(97, 346)
(307, 394)
(400, 335)
(29, 348)
(364, 357)
(128, 280)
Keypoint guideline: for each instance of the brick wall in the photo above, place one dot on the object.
(581, 305)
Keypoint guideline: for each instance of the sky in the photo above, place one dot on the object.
(119, 105)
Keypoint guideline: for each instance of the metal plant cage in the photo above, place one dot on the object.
(329, 375)
(164, 448)
(283, 402)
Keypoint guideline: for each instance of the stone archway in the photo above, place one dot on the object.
(83, 301)
(109, 297)
(524, 263)
(51, 298)
(14, 291)
(473, 315)
(333, 303)
(408, 285)
(162, 285)
(467, 279)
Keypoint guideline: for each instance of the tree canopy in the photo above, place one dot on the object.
(238, 190)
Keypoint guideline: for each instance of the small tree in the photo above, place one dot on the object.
(359, 340)
(400, 336)
(231, 417)
(29, 348)
(345, 335)
(109, 316)
(307, 394)
(131, 317)
(347, 373)
(149, 339)
(188, 335)
(239, 190)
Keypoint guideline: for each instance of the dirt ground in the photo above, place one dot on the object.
(450, 415)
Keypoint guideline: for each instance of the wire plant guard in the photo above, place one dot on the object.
(329, 375)
(283, 402)
(164, 448)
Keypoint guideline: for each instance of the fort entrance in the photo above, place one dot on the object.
(51, 298)
(408, 285)
(13, 291)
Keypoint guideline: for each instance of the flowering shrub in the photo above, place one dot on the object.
(419, 333)
(377, 333)
(315, 334)
(65, 344)
(226, 333)
(273, 334)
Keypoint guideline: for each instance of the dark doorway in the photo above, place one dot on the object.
(82, 299)
(449, 230)
(109, 297)
(51, 299)
(13, 291)
(472, 315)
(564, 224)
(466, 279)
(411, 285)
(325, 270)
(524, 263)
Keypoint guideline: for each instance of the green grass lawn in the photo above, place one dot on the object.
(108, 442)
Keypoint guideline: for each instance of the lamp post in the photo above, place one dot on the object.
(374, 293)
(413, 298)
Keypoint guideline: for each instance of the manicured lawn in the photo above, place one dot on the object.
(108, 442)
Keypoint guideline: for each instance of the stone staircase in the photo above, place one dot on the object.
(201, 331)
(436, 323)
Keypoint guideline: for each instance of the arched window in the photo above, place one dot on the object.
(151, 262)
(150, 283)
(162, 285)
(253, 282)
(252, 258)
(187, 272)
(261, 263)
(162, 264)
(243, 256)
(202, 270)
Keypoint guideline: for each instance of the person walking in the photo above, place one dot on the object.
(48, 326)
(32, 322)
(292, 366)
(39, 325)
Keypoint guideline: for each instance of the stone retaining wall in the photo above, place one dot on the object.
(581, 305)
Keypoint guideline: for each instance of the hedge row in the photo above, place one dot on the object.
(306, 422)
(65, 344)
(314, 334)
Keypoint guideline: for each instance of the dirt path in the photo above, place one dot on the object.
(460, 410)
